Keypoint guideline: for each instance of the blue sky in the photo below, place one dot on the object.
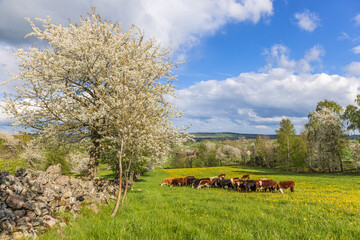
(248, 64)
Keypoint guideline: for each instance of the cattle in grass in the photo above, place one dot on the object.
(223, 183)
(250, 185)
(166, 181)
(177, 182)
(234, 180)
(204, 183)
(245, 176)
(285, 185)
(265, 185)
(212, 178)
(190, 181)
(240, 185)
(197, 182)
(222, 176)
(186, 180)
(214, 182)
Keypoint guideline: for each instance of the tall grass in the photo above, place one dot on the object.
(323, 206)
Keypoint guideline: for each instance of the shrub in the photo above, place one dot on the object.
(55, 156)
(12, 165)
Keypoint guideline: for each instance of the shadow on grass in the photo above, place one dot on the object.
(110, 176)
(269, 172)
(140, 180)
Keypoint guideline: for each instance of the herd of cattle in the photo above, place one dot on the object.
(243, 184)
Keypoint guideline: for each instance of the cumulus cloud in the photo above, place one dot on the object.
(180, 23)
(356, 49)
(307, 20)
(254, 100)
(8, 64)
(278, 56)
(357, 19)
(353, 69)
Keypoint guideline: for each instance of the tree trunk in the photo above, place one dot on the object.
(93, 166)
(127, 180)
(120, 181)
(125, 191)
(341, 163)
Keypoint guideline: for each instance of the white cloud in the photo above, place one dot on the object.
(8, 64)
(353, 68)
(356, 49)
(357, 19)
(278, 56)
(344, 36)
(307, 20)
(252, 100)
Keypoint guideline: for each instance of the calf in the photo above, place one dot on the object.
(166, 181)
(177, 181)
(204, 183)
(186, 180)
(268, 184)
(285, 185)
(240, 185)
(197, 182)
(234, 180)
(212, 178)
(245, 176)
(222, 176)
(214, 182)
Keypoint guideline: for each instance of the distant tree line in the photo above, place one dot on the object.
(323, 146)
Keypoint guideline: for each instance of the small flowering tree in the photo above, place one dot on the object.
(327, 139)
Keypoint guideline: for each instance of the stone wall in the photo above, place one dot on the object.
(29, 201)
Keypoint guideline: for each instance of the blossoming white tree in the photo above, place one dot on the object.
(95, 83)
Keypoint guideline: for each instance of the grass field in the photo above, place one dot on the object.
(323, 206)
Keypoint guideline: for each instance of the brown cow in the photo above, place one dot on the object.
(186, 180)
(267, 184)
(213, 181)
(211, 178)
(166, 181)
(234, 180)
(204, 183)
(222, 176)
(245, 176)
(177, 181)
(285, 185)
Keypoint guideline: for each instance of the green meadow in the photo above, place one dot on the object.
(323, 206)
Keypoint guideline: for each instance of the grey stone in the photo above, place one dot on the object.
(31, 214)
(28, 206)
(19, 213)
(22, 221)
(9, 214)
(36, 222)
(37, 211)
(49, 221)
(7, 224)
(3, 205)
(62, 180)
(15, 201)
